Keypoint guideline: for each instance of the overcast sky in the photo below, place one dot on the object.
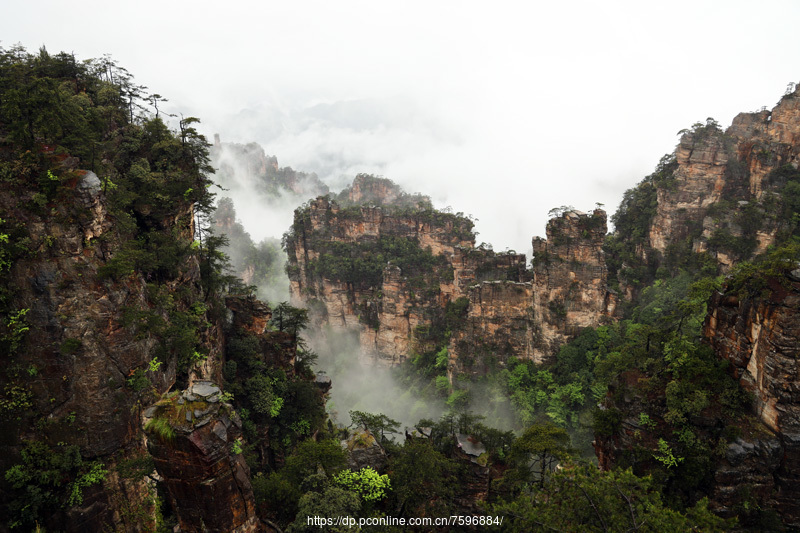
(501, 110)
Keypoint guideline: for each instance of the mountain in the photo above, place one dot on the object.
(143, 387)
(410, 281)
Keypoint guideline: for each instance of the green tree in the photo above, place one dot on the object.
(538, 451)
(424, 479)
(584, 498)
(289, 319)
(379, 425)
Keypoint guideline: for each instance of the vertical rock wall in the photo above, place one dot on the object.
(193, 438)
(512, 311)
(760, 337)
(721, 174)
(570, 280)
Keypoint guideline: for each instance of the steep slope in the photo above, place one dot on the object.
(759, 334)
(111, 296)
(393, 268)
(720, 198)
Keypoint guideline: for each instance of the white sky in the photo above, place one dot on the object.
(500, 110)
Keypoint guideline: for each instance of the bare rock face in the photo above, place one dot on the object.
(760, 336)
(385, 309)
(569, 280)
(249, 314)
(700, 179)
(193, 438)
(500, 324)
(363, 450)
(511, 311)
(724, 178)
(80, 351)
(367, 190)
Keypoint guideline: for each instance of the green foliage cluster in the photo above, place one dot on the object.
(266, 397)
(753, 278)
(679, 384)
(161, 428)
(631, 225)
(290, 319)
(365, 482)
(379, 425)
(362, 263)
(281, 491)
(424, 479)
(47, 479)
(585, 498)
(564, 392)
(58, 114)
(701, 132)
(177, 320)
(280, 408)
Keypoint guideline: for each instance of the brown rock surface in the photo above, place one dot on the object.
(569, 280)
(500, 324)
(512, 311)
(208, 481)
(718, 174)
(760, 336)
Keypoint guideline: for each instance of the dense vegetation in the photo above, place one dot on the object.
(60, 121)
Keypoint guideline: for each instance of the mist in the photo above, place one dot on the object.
(358, 385)
(502, 112)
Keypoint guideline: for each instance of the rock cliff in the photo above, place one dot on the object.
(380, 271)
(724, 194)
(195, 439)
(348, 266)
(759, 335)
(74, 347)
(750, 464)
(570, 279)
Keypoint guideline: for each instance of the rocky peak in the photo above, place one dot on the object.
(510, 311)
(371, 190)
(570, 279)
(721, 196)
(195, 441)
(367, 189)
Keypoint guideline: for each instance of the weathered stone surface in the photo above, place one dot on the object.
(207, 482)
(249, 313)
(80, 351)
(204, 389)
(760, 336)
(363, 451)
(569, 280)
(386, 315)
(747, 471)
(500, 324)
(731, 167)
(371, 191)
(512, 311)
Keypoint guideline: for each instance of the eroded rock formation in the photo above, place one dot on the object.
(195, 440)
(395, 304)
(760, 337)
(722, 196)
(570, 283)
